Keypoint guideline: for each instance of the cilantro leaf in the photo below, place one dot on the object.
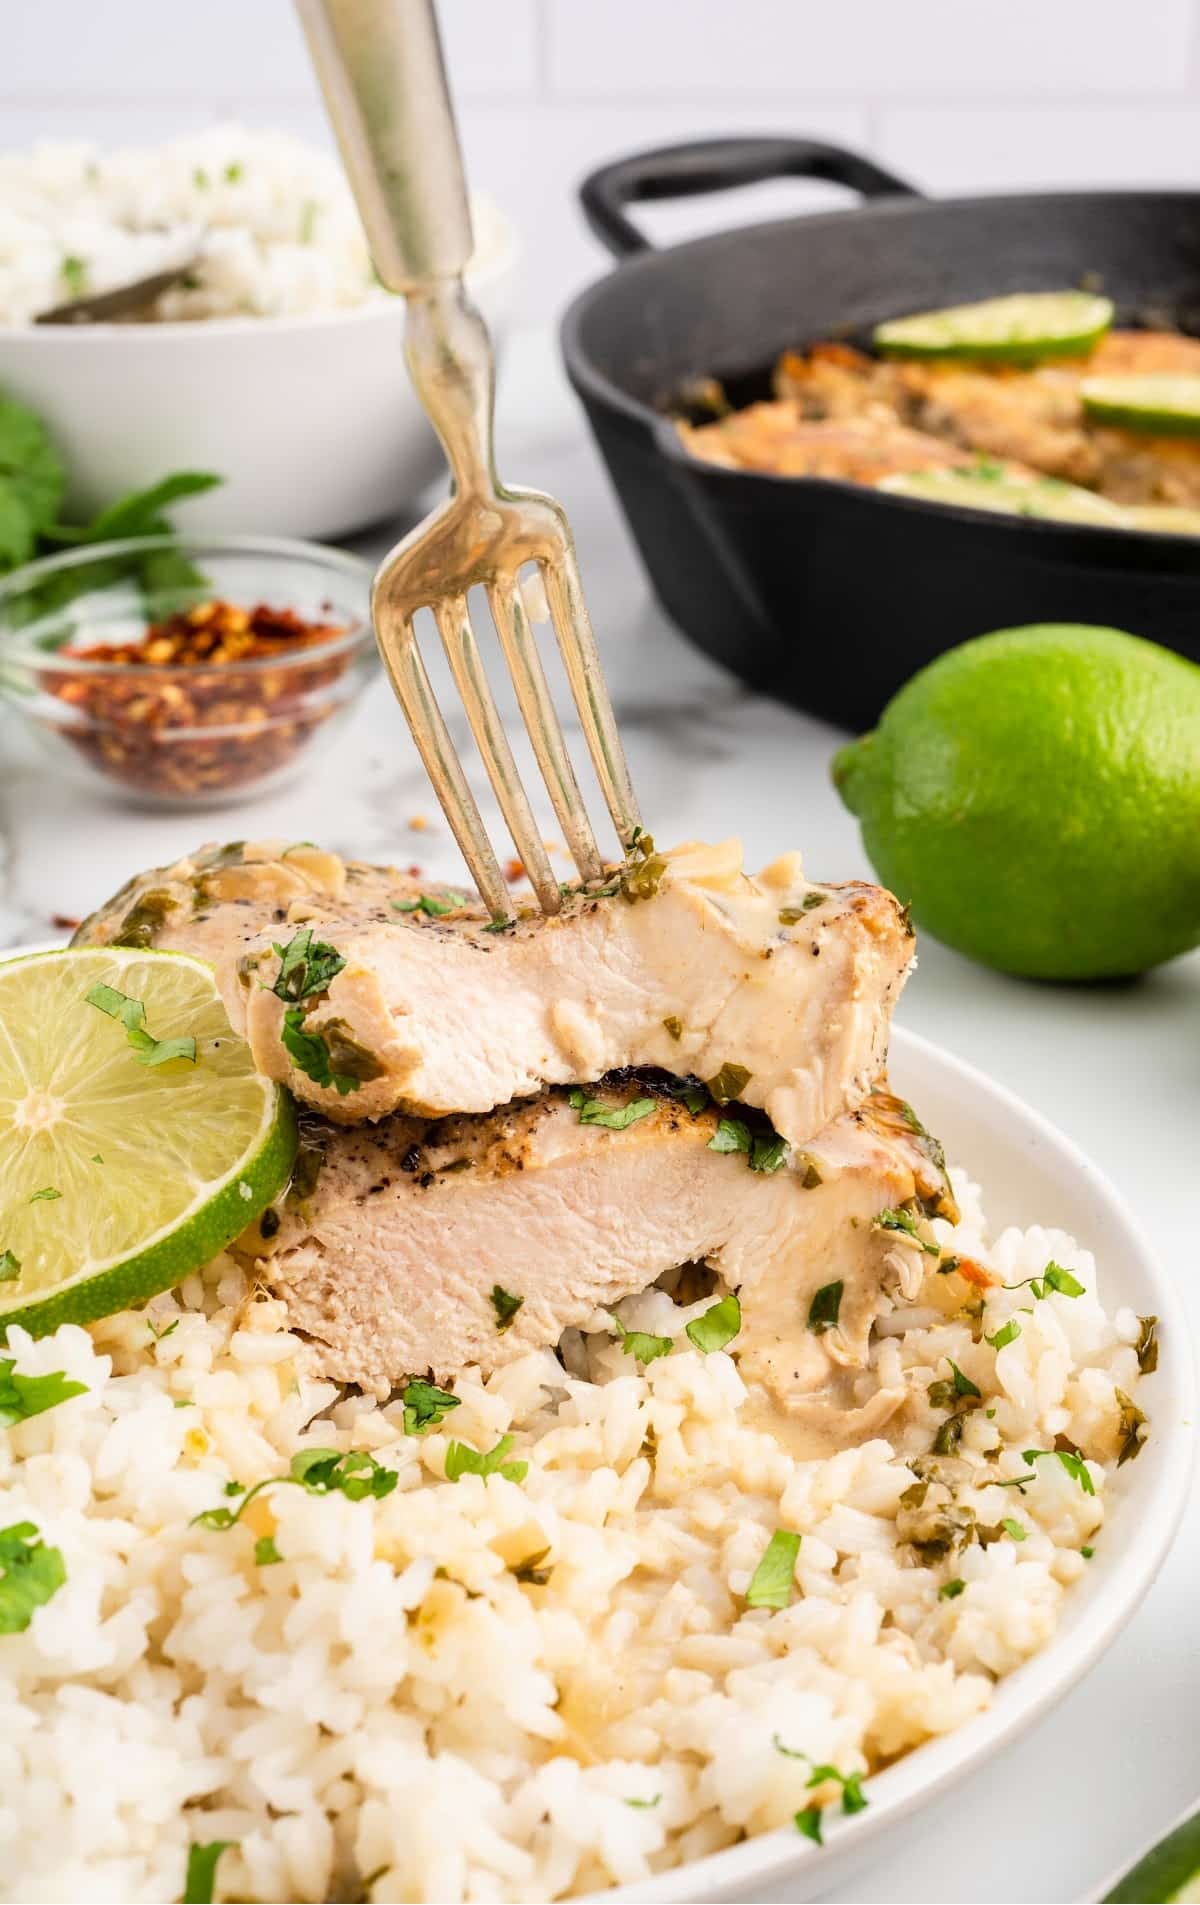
(808, 1821)
(825, 1307)
(1147, 1344)
(202, 1870)
(461, 1459)
(717, 1327)
(768, 1152)
(32, 1575)
(10, 1267)
(1073, 1462)
(1006, 1335)
(147, 1049)
(644, 1805)
(424, 1406)
(353, 1473)
(1014, 1529)
(25, 1396)
(309, 1052)
(950, 1590)
(431, 907)
(1131, 1428)
(730, 1135)
(641, 1345)
(306, 966)
(612, 1117)
(963, 1386)
(47, 1196)
(265, 1551)
(853, 1797)
(904, 1222)
(771, 1583)
(1053, 1279)
(505, 1306)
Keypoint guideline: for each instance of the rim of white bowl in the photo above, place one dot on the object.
(1023, 1696)
(498, 262)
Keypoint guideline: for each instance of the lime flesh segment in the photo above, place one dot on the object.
(156, 1167)
(1159, 404)
(1044, 497)
(1021, 329)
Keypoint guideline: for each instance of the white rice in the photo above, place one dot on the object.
(271, 218)
(390, 1703)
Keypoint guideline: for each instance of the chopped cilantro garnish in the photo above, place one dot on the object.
(25, 1396)
(853, 1797)
(1087, 1553)
(689, 1091)
(309, 1052)
(160, 1336)
(729, 1083)
(505, 1306)
(673, 1027)
(790, 915)
(765, 1151)
(352, 1473)
(73, 272)
(808, 1821)
(825, 1306)
(306, 967)
(424, 1406)
(31, 1575)
(730, 1135)
(433, 908)
(1005, 1335)
(1053, 1279)
(96, 1158)
(1147, 1344)
(613, 1117)
(950, 1590)
(461, 1459)
(1013, 1528)
(639, 1344)
(771, 1583)
(644, 1805)
(1131, 1428)
(265, 1551)
(717, 1326)
(1074, 1464)
(47, 1196)
(10, 1267)
(132, 1013)
(202, 1870)
(963, 1386)
(906, 1223)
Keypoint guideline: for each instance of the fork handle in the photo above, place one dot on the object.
(380, 67)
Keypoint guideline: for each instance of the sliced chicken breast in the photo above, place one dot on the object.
(408, 1247)
(367, 995)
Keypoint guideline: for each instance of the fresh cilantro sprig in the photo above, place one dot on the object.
(718, 1326)
(825, 1308)
(1054, 1280)
(462, 1459)
(641, 1345)
(310, 1053)
(1071, 1460)
(505, 1305)
(905, 1222)
(771, 1583)
(353, 1473)
(424, 1406)
(612, 1117)
(764, 1151)
(306, 966)
(25, 1396)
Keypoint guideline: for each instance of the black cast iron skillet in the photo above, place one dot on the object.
(823, 593)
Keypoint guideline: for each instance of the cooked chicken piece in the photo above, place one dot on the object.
(409, 1247)
(778, 439)
(1031, 417)
(686, 962)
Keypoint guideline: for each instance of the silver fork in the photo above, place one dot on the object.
(380, 66)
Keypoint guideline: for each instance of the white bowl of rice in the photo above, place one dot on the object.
(277, 363)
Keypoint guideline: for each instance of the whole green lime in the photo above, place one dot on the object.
(1035, 795)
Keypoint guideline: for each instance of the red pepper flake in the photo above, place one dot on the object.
(184, 672)
(64, 922)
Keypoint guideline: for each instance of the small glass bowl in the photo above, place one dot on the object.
(170, 734)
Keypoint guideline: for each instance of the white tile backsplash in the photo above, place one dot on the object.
(958, 95)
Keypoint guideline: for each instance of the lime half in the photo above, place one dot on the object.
(124, 1162)
(991, 487)
(1169, 1872)
(1016, 330)
(1161, 404)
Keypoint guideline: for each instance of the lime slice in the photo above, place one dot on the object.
(1169, 1872)
(1163, 404)
(990, 486)
(1017, 330)
(123, 1168)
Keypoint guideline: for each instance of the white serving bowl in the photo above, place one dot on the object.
(1030, 1174)
(311, 421)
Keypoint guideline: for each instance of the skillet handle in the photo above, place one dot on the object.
(717, 165)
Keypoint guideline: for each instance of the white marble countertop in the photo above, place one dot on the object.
(1117, 1067)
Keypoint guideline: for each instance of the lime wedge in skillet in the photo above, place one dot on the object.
(125, 1162)
(1021, 329)
(1162, 404)
(990, 486)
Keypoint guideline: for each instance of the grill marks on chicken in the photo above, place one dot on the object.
(405, 1253)
(839, 413)
(433, 1012)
